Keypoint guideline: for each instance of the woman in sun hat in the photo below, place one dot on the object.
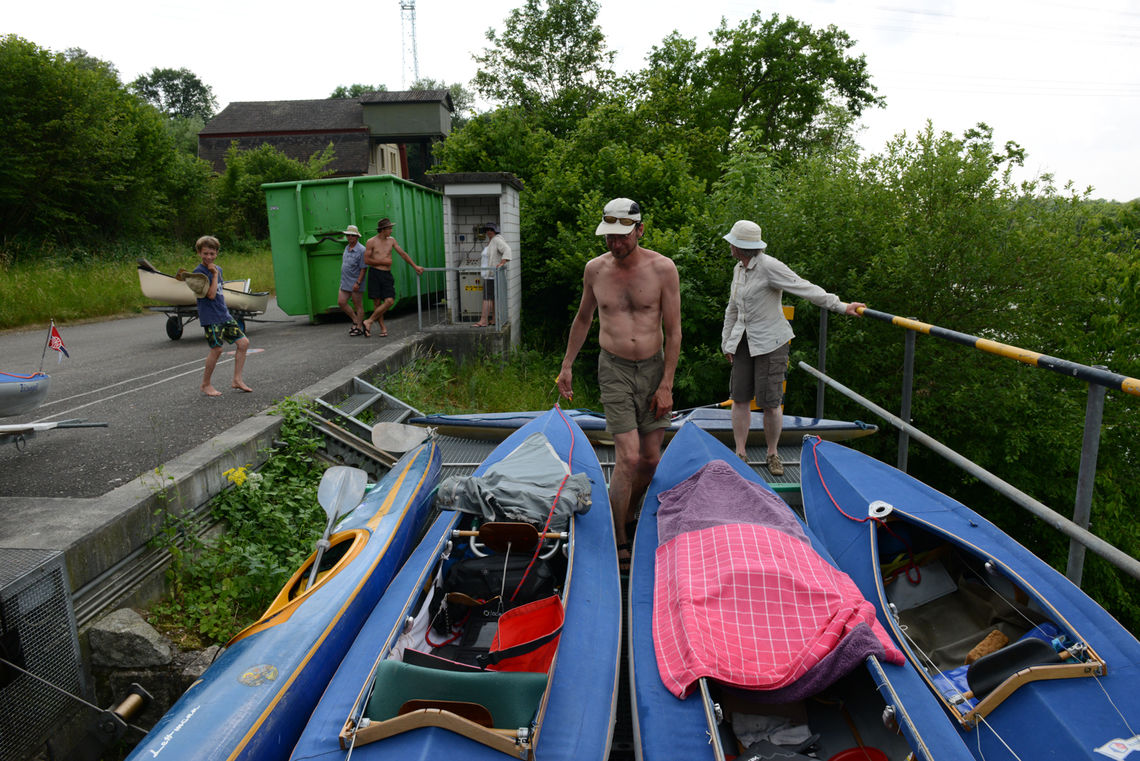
(756, 336)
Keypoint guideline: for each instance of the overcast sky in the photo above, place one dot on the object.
(1060, 78)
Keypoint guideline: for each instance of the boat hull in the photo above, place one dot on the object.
(170, 290)
(20, 393)
(495, 426)
(577, 722)
(666, 727)
(253, 701)
(1053, 719)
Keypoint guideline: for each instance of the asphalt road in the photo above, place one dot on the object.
(127, 373)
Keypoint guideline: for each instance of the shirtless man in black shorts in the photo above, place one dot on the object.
(381, 284)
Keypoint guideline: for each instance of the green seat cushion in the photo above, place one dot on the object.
(512, 697)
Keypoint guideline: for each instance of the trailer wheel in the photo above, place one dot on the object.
(174, 327)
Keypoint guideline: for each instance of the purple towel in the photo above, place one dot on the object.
(717, 495)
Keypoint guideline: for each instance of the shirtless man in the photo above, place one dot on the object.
(381, 284)
(637, 294)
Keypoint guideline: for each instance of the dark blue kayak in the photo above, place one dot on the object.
(846, 715)
(566, 712)
(495, 426)
(1061, 680)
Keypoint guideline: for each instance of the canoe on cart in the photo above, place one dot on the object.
(1051, 674)
(463, 657)
(494, 426)
(181, 306)
(254, 699)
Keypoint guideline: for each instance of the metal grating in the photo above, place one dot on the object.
(37, 632)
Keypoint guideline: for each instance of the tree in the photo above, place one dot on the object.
(792, 87)
(240, 193)
(81, 157)
(355, 91)
(551, 61)
(176, 93)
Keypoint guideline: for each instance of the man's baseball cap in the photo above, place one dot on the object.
(619, 217)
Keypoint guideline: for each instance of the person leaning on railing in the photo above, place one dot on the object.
(756, 334)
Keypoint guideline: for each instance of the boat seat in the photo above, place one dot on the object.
(510, 698)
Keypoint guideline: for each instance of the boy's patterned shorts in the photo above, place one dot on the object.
(222, 331)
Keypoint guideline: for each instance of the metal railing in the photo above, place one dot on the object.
(1098, 379)
(458, 301)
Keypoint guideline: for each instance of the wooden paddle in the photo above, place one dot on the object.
(341, 489)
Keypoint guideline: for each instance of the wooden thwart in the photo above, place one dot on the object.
(503, 740)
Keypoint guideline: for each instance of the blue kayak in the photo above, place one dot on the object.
(383, 703)
(254, 699)
(848, 714)
(494, 426)
(1023, 664)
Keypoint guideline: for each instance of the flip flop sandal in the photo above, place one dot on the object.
(356, 332)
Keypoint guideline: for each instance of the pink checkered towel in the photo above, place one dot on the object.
(755, 608)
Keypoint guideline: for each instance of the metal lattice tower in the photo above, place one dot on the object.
(411, 59)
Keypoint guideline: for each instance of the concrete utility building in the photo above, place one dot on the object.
(376, 133)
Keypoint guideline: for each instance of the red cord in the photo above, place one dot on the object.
(550, 515)
(912, 565)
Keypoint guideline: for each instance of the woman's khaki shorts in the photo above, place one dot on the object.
(760, 377)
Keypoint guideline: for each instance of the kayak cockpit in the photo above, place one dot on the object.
(976, 631)
(476, 653)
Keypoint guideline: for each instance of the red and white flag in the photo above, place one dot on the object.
(55, 342)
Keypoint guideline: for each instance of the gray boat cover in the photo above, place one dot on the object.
(520, 487)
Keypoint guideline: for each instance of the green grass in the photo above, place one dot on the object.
(435, 383)
(75, 285)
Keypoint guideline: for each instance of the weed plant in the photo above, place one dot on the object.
(75, 284)
(272, 519)
(436, 383)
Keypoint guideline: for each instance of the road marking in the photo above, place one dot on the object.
(72, 410)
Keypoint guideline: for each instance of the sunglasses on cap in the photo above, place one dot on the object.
(623, 221)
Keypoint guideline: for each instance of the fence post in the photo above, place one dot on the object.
(822, 362)
(1086, 477)
(907, 389)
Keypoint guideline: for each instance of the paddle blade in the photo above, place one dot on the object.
(991, 670)
(341, 489)
(397, 437)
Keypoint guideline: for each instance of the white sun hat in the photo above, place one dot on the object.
(745, 234)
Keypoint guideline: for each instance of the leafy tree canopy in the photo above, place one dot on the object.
(789, 85)
(81, 156)
(550, 59)
(240, 191)
(176, 93)
(355, 91)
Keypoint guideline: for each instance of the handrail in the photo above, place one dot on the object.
(1061, 366)
(1120, 559)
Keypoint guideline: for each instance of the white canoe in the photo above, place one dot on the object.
(170, 290)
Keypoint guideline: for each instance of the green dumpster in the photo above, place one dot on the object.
(305, 223)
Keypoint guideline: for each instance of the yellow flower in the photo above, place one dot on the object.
(237, 476)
